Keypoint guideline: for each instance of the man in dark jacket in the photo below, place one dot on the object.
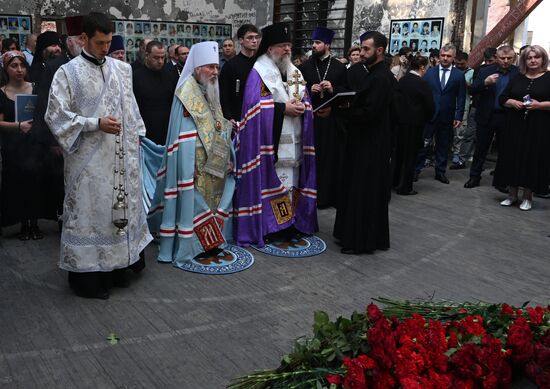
(489, 83)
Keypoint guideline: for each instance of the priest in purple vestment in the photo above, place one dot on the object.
(276, 193)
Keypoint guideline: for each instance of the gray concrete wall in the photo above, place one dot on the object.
(236, 12)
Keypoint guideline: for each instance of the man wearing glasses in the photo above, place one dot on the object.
(234, 73)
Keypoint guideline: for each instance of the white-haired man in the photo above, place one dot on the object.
(194, 192)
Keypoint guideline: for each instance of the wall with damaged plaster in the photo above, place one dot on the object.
(376, 14)
(236, 12)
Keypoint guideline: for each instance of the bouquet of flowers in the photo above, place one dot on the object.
(417, 345)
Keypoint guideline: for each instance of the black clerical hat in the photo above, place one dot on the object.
(46, 39)
(322, 34)
(116, 44)
(274, 34)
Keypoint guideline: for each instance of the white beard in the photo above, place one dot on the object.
(212, 92)
(281, 63)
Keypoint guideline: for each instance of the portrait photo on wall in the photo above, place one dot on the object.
(134, 31)
(15, 27)
(421, 35)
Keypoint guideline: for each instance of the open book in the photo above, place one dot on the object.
(337, 99)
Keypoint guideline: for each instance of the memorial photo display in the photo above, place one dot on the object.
(421, 35)
(168, 33)
(15, 27)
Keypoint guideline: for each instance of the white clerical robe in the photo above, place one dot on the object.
(81, 93)
(290, 143)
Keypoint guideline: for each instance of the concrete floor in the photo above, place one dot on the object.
(184, 330)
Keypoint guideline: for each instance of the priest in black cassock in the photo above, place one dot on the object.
(235, 72)
(325, 77)
(154, 87)
(362, 224)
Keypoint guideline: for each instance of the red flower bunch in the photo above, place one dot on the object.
(417, 354)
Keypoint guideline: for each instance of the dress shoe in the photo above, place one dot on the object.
(442, 178)
(457, 166)
(502, 189)
(120, 280)
(409, 193)
(472, 182)
(509, 201)
(526, 205)
(347, 251)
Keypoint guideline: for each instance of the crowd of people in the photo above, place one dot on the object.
(200, 148)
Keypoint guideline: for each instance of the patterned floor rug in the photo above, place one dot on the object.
(233, 259)
(305, 246)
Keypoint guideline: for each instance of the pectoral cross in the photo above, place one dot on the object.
(296, 81)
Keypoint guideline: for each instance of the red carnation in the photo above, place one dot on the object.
(374, 313)
(472, 325)
(453, 340)
(507, 310)
(520, 338)
(536, 315)
(334, 379)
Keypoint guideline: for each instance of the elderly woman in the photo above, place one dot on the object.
(20, 186)
(524, 158)
(354, 55)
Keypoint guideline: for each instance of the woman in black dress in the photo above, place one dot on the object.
(19, 187)
(524, 157)
(418, 107)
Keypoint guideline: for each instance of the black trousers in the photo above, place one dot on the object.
(89, 284)
(484, 137)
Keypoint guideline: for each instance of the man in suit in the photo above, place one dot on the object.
(488, 84)
(449, 91)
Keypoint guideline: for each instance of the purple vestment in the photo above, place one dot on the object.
(257, 180)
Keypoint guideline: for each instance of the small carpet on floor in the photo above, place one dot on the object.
(301, 247)
(232, 259)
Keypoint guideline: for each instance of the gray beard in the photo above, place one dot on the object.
(210, 90)
(281, 63)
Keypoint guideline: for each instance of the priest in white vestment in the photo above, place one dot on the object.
(93, 114)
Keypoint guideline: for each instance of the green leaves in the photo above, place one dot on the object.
(113, 338)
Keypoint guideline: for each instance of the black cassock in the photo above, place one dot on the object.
(361, 221)
(233, 78)
(418, 108)
(154, 92)
(329, 133)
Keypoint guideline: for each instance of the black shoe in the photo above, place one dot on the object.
(347, 251)
(457, 166)
(102, 294)
(442, 178)
(415, 177)
(409, 193)
(472, 182)
(120, 280)
(502, 189)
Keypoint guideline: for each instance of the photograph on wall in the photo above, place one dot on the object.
(134, 31)
(16, 27)
(421, 35)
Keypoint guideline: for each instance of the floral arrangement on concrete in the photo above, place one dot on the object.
(417, 345)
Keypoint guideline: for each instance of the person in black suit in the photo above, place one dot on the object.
(449, 91)
(489, 83)
(418, 110)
